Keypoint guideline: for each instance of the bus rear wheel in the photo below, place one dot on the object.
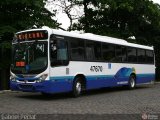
(132, 82)
(77, 87)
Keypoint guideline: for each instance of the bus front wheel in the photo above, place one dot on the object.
(77, 87)
(132, 82)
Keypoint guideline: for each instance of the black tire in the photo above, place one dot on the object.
(46, 94)
(132, 82)
(77, 87)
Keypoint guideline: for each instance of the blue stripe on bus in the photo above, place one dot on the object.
(64, 83)
(146, 75)
(62, 78)
(96, 77)
(145, 78)
(96, 81)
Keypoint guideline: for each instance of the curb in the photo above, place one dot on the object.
(7, 91)
(4, 91)
(157, 82)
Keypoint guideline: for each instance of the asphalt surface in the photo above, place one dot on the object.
(143, 99)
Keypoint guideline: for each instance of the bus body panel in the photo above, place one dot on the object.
(112, 75)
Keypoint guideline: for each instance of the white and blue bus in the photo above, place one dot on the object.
(52, 61)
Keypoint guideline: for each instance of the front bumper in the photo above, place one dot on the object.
(47, 86)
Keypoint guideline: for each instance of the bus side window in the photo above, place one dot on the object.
(118, 57)
(58, 52)
(93, 50)
(149, 57)
(141, 56)
(77, 48)
(108, 52)
(132, 55)
(124, 54)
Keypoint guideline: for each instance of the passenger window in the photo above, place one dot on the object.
(132, 57)
(58, 52)
(121, 54)
(118, 57)
(108, 52)
(124, 54)
(149, 56)
(141, 56)
(77, 49)
(93, 50)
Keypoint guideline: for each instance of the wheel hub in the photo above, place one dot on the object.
(78, 87)
(132, 83)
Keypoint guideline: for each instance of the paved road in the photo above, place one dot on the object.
(144, 99)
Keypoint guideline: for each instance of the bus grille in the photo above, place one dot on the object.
(27, 80)
(26, 87)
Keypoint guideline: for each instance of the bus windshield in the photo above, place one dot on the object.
(29, 57)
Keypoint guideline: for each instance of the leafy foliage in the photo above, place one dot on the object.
(24, 14)
(68, 7)
(119, 18)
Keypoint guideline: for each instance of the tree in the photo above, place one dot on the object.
(68, 7)
(119, 18)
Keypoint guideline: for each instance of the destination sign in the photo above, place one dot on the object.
(20, 64)
(32, 35)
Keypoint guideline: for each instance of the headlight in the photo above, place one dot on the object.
(13, 78)
(42, 78)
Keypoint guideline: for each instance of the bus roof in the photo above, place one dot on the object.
(94, 37)
(90, 36)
